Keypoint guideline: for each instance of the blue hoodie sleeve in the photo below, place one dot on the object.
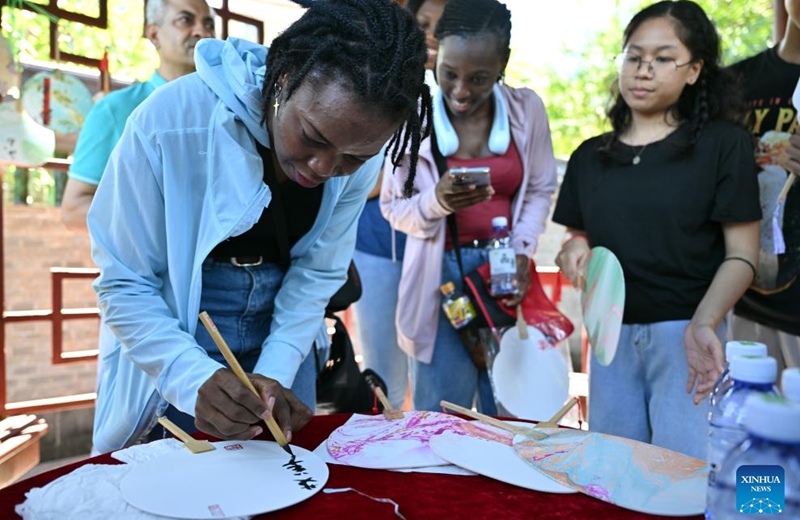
(100, 132)
(127, 225)
(313, 278)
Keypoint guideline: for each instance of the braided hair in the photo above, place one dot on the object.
(373, 45)
(715, 94)
(470, 18)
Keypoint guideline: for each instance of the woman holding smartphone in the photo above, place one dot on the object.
(479, 122)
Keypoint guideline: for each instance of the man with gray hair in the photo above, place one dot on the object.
(173, 27)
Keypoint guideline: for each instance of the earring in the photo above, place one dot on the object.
(277, 90)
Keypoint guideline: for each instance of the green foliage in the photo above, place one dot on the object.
(131, 57)
(576, 91)
(577, 97)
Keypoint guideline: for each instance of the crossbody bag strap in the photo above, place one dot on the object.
(441, 165)
(276, 206)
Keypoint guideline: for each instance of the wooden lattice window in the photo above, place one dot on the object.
(64, 20)
(98, 20)
(235, 24)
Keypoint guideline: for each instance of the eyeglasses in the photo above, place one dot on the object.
(629, 64)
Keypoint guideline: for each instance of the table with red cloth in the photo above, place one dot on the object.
(419, 495)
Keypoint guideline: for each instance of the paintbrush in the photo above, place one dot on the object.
(517, 430)
(240, 373)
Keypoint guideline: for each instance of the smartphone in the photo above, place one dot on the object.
(479, 176)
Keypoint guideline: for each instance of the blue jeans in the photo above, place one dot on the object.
(375, 327)
(451, 375)
(241, 301)
(642, 395)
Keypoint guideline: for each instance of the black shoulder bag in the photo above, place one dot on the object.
(489, 313)
(537, 308)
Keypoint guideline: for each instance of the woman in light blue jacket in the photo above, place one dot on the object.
(183, 220)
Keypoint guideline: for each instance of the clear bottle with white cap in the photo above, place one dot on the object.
(772, 442)
(502, 260)
(750, 375)
(732, 350)
(790, 384)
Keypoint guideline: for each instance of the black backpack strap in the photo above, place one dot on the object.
(441, 165)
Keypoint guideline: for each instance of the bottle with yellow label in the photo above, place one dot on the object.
(457, 307)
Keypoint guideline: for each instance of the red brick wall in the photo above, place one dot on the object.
(34, 240)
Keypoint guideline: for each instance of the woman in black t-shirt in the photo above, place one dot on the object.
(672, 191)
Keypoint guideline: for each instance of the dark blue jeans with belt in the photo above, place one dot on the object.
(240, 299)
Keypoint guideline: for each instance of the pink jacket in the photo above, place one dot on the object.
(422, 218)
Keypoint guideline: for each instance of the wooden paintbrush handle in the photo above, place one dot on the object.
(484, 418)
(786, 187)
(389, 412)
(522, 325)
(572, 401)
(175, 430)
(240, 373)
(382, 398)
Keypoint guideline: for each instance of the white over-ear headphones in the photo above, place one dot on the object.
(499, 137)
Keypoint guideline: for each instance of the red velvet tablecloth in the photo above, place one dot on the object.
(420, 495)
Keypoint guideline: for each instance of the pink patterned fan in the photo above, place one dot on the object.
(372, 441)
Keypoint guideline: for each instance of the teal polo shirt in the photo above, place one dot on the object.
(103, 127)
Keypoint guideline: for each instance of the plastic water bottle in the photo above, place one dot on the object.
(790, 384)
(760, 475)
(502, 260)
(457, 307)
(732, 350)
(750, 375)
